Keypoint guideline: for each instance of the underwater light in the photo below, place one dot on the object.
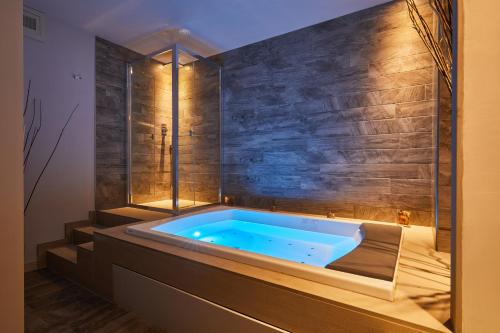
(197, 234)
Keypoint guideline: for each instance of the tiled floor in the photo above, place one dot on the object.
(53, 304)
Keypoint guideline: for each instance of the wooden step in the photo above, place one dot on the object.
(77, 261)
(66, 252)
(70, 226)
(125, 215)
(85, 265)
(41, 251)
(85, 247)
(63, 260)
(84, 234)
(73, 262)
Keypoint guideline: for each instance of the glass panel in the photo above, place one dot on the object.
(150, 139)
(199, 145)
(154, 149)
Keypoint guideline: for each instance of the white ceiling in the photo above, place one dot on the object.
(206, 26)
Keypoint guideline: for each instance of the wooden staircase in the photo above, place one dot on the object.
(74, 256)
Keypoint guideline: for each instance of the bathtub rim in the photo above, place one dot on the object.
(356, 283)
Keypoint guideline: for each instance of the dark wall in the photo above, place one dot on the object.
(337, 116)
(111, 125)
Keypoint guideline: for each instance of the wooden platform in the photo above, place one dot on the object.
(294, 304)
(73, 257)
(119, 216)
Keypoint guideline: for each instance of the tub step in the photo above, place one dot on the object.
(41, 251)
(85, 264)
(75, 262)
(66, 252)
(85, 234)
(73, 257)
(69, 228)
(125, 215)
(63, 260)
(87, 248)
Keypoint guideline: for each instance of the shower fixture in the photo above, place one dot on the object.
(156, 180)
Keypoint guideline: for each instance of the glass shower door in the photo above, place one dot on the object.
(187, 182)
(149, 102)
(199, 139)
(173, 105)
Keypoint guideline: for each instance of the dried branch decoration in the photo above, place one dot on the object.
(31, 135)
(49, 158)
(439, 44)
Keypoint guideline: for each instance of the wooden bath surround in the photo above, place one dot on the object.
(282, 301)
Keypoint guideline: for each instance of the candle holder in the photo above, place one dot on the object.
(404, 217)
(228, 201)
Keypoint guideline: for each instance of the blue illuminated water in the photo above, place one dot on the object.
(308, 247)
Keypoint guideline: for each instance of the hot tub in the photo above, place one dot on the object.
(349, 254)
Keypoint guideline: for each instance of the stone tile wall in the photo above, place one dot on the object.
(110, 124)
(337, 116)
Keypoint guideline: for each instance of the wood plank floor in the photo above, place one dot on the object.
(54, 304)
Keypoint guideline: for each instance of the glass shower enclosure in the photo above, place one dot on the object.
(174, 131)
